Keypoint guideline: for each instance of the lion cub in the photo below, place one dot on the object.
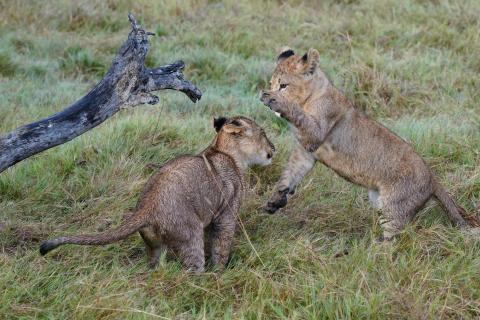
(189, 194)
(329, 129)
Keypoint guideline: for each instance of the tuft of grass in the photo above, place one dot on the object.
(8, 67)
(78, 60)
(161, 31)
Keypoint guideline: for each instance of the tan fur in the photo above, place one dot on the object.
(189, 194)
(329, 129)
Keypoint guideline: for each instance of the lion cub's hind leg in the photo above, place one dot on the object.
(153, 254)
(400, 205)
(154, 245)
(374, 197)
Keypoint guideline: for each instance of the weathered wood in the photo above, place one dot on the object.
(127, 83)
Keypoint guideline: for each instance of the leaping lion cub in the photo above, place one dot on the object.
(189, 194)
(329, 129)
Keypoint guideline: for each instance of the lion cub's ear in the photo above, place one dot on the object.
(236, 127)
(218, 123)
(233, 129)
(311, 59)
(284, 53)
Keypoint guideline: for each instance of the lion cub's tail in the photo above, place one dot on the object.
(456, 213)
(127, 227)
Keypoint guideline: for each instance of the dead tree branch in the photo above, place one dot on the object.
(127, 83)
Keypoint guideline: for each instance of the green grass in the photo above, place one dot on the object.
(413, 65)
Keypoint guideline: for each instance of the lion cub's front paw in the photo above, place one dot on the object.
(274, 101)
(278, 201)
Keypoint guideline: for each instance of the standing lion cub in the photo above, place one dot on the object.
(189, 194)
(329, 129)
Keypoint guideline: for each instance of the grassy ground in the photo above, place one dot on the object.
(412, 65)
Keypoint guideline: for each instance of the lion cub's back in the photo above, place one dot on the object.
(171, 181)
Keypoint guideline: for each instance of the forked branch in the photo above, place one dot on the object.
(127, 83)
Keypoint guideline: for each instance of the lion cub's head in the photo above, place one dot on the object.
(244, 140)
(298, 77)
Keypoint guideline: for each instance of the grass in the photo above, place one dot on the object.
(413, 65)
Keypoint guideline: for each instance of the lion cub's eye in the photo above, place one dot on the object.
(283, 86)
